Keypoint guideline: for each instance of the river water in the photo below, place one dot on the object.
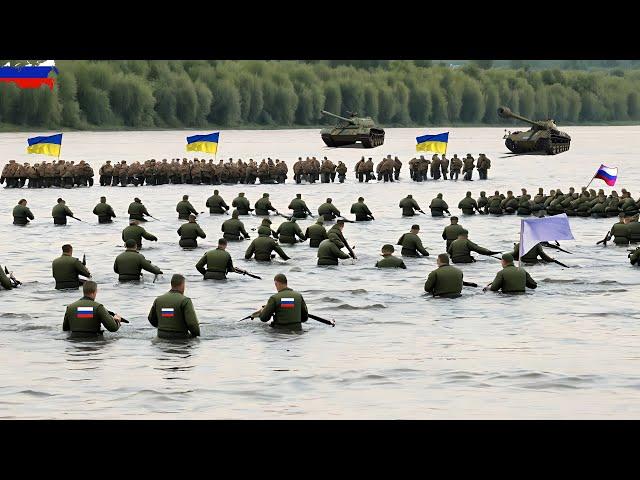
(567, 350)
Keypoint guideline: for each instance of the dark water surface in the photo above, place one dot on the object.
(569, 350)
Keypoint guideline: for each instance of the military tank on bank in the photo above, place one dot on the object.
(351, 130)
(543, 136)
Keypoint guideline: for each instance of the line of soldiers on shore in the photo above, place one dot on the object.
(45, 174)
(387, 170)
(420, 169)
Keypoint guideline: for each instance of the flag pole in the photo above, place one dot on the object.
(520, 246)
(594, 176)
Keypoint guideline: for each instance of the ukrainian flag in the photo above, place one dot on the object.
(433, 143)
(45, 145)
(203, 143)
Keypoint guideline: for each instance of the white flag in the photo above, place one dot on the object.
(536, 230)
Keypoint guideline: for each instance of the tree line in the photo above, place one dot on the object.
(221, 94)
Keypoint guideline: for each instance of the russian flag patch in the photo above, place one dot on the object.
(84, 312)
(167, 313)
(287, 303)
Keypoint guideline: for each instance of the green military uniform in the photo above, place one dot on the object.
(137, 233)
(60, 213)
(184, 209)
(633, 228)
(512, 279)
(232, 229)
(408, 205)
(129, 265)
(329, 253)
(532, 255)
(21, 215)
(5, 282)
(287, 232)
(361, 211)
(494, 206)
(216, 204)
(288, 309)
(444, 281)
(328, 211)
(66, 270)
(263, 205)
(218, 263)
(262, 248)
(137, 211)
(189, 233)
(174, 316)
(104, 212)
(460, 250)
(468, 205)
(451, 233)
(620, 233)
(390, 261)
(411, 245)
(316, 233)
(634, 258)
(241, 203)
(438, 206)
(299, 208)
(84, 318)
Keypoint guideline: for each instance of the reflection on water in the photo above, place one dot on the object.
(569, 349)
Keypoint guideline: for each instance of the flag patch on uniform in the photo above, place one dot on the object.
(167, 312)
(84, 312)
(286, 303)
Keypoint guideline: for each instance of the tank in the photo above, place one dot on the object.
(543, 136)
(352, 130)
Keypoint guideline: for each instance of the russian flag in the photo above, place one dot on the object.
(608, 174)
(287, 303)
(29, 76)
(167, 313)
(84, 312)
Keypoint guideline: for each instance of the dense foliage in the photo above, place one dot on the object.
(196, 94)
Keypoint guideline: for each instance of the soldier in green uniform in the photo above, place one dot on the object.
(408, 205)
(633, 229)
(288, 231)
(468, 205)
(262, 247)
(233, 227)
(85, 317)
(511, 279)
(173, 314)
(184, 208)
(218, 262)
(388, 260)
(242, 205)
(361, 211)
(287, 307)
(451, 232)
(130, 263)
(531, 257)
(299, 207)
(483, 203)
(620, 231)
(6, 282)
(189, 233)
(316, 233)
(328, 211)
(411, 243)
(60, 213)
(263, 206)
(137, 211)
(445, 281)
(438, 206)
(341, 169)
(461, 248)
(494, 207)
(329, 252)
(336, 236)
(509, 204)
(634, 257)
(216, 204)
(66, 270)
(21, 213)
(104, 211)
(136, 233)
(265, 227)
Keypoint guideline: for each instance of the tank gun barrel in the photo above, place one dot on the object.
(324, 112)
(505, 112)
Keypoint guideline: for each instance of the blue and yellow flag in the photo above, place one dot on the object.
(203, 143)
(45, 145)
(433, 143)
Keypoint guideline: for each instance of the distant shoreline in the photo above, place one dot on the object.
(4, 128)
